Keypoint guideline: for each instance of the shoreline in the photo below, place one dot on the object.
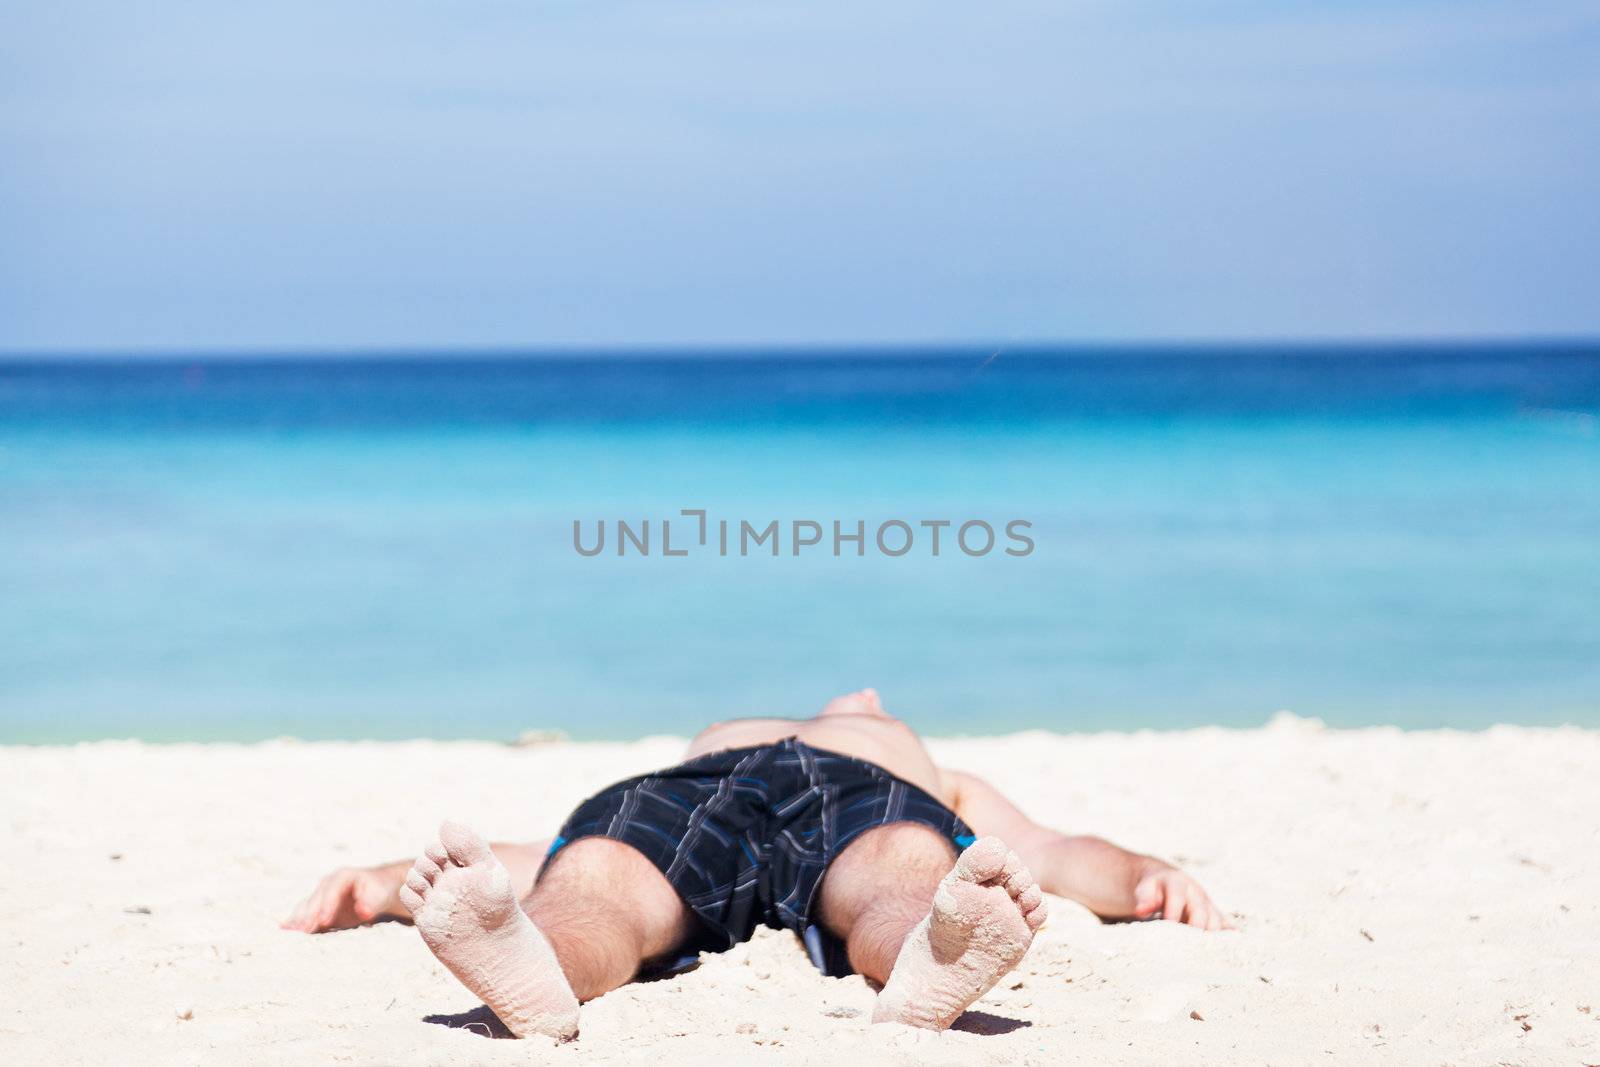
(542, 737)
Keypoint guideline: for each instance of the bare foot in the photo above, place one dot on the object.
(984, 916)
(864, 702)
(461, 899)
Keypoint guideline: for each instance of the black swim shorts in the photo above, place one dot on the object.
(745, 835)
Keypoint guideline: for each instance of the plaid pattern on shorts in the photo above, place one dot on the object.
(745, 835)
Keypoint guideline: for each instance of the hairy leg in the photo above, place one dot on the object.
(606, 910)
(879, 888)
(937, 931)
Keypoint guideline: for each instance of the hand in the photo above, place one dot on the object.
(350, 896)
(1168, 893)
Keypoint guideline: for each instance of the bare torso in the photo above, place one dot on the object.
(863, 731)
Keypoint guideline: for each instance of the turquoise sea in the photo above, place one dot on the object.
(231, 548)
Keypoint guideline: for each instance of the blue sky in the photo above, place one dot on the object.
(347, 175)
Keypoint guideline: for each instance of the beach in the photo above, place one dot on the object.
(1428, 897)
(1184, 419)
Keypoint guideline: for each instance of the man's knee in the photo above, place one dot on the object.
(902, 845)
(594, 858)
(605, 886)
(600, 871)
(891, 869)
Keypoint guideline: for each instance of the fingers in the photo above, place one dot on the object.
(335, 892)
(1185, 902)
(329, 896)
(371, 897)
(317, 911)
(1174, 899)
(1198, 910)
(297, 918)
(1215, 919)
(300, 918)
(1147, 898)
(304, 916)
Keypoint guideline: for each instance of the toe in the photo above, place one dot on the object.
(435, 852)
(417, 883)
(1036, 915)
(1017, 878)
(1029, 899)
(463, 845)
(428, 867)
(983, 860)
(411, 901)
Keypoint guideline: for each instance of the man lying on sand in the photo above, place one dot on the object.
(840, 828)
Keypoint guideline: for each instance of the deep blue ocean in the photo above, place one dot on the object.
(205, 548)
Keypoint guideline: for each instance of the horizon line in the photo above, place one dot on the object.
(819, 350)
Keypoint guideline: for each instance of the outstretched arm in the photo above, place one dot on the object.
(1110, 881)
(356, 896)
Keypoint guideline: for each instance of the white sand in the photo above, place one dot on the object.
(1427, 898)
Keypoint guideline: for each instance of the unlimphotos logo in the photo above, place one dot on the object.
(792, 537)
